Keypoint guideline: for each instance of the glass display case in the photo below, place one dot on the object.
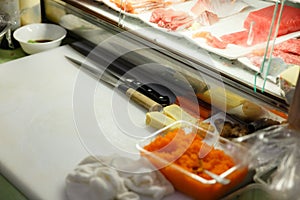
(239, 89)
(54, 115)
(98, 21)
(188, 70)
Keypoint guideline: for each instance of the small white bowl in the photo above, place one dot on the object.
(35, 38)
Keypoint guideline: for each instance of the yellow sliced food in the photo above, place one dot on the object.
(158, 120)
(177, 113)
(291, 74)
(174, 113)
(251, 110)
(205, 127)
(221, 98)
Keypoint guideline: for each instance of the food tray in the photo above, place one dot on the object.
(233, 23)
(274, 70)
(116, 8)
(191, 183)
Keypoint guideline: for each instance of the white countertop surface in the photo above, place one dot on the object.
(53, 115)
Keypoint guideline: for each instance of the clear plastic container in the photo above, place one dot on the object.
(4, 25)
(11, 7)
(189, 182)
(30, 11)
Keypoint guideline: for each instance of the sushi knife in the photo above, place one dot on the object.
(118, 69)
(114, 81)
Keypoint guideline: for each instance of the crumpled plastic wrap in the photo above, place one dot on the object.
(4, 24)
(275, 154)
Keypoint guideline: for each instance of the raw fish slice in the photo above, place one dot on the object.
(171, 19)
(207, 18)
(172, 15)
(288, 58)
(139, 6)
(132, 6)
(221, 8)
(238, 38)
(258, 23)
(290, 21)
(288, 51)
(211, 40)
(203, 14)
(157, 15)
(290, 46)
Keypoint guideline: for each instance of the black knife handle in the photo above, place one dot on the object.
(150, 92)
(140, 98)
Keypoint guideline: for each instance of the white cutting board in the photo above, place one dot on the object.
(53, 115)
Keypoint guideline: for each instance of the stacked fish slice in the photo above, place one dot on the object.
(139, 6)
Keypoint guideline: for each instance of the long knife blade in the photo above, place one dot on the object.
(119, 68)
(162, 77)
(110, 79)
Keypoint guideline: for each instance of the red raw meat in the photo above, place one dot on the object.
(172, 15)
(156, 15)
(180, 24)
(240, 38)
(211, 40)
(289, 46)
(215, 42)
(288, 58)
(236, 38)
(290, 21)
(207, 18)
(288, 51)
(171, 19)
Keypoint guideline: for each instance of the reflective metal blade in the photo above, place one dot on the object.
(104, 76)
(110, 79)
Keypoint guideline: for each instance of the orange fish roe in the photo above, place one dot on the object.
(184, 149)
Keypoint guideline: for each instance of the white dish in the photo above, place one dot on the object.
(145, 17)
(233, 23)
(35, 38)
(248, 63)
(234, 51)
(185, 6)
